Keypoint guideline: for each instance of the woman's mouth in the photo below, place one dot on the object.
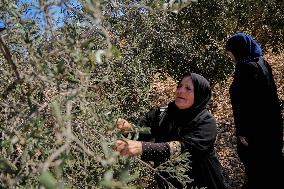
(180, 98)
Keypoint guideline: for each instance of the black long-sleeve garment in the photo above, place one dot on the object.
(196, 134)
(257, 117)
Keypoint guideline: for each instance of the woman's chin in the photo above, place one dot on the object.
(179, 106)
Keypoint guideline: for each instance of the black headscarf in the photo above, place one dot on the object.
(202, 92)
(202, 96)
(243, 47)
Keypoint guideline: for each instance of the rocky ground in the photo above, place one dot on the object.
(164, 88)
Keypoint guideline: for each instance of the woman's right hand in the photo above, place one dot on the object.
(123, 124)
(243, 140)
(128, 148)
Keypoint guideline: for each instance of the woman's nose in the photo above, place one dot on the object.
(180, 90)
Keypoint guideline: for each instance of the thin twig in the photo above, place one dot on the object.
(153, 169)
(55, 155)
(5, 51)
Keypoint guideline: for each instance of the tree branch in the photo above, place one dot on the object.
(4, 49)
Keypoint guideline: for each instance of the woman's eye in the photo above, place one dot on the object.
(188, 88)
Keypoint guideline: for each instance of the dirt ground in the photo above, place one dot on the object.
(164, 87)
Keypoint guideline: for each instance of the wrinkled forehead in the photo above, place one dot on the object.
(187, 80)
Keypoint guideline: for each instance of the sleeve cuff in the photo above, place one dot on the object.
(175, 148)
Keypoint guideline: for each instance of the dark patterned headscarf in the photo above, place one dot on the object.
(243, 47)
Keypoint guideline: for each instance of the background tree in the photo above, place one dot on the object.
(63, 84)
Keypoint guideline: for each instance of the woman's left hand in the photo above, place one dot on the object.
(128, 148)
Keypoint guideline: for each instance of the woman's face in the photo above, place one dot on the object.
(184, 97)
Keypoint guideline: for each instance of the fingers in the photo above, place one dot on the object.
(125, 153)
(120, 121)
(122, 124)
(120, 145)
(243, 140)
(128, 148)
